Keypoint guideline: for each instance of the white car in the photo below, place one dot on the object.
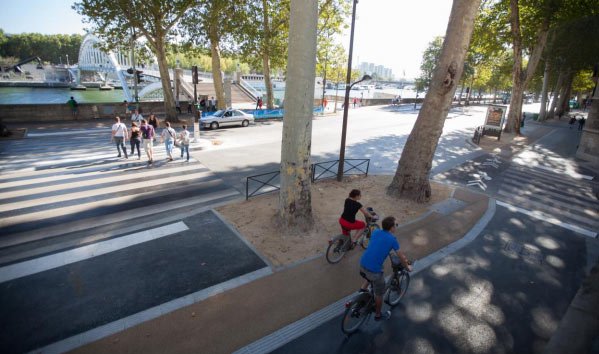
(226, 117)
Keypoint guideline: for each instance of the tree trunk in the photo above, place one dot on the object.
(411, 178)
(562, 104)
(295, 198)
(588, 148)
(556, 92)
(461, 92)
(169, 97)
(216, 68)
(544, 95)
(270, 102)
(515, 110)
(522, 78)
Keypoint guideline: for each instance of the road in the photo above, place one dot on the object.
(377, 133)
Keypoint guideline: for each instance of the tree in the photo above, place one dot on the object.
(155, 20)
(411, 178)
(263, 38)
(295, 199)
(209, 24)
(430, 57)
(50, 48)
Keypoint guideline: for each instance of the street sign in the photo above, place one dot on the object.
(495, 117)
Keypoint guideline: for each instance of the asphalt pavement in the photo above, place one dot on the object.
(503, 293)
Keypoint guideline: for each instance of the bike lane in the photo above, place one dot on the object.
(506, 291)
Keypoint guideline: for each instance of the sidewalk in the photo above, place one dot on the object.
(231, 320)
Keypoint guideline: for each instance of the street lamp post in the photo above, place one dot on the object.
(347, 89)
(337, 91)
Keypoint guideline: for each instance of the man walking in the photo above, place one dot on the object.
(147, 134)
(119, 136)
(136, 117)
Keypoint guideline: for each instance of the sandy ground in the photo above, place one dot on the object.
(255, 218)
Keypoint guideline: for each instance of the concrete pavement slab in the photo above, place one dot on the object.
(61, 302)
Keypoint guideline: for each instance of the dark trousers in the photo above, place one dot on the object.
(120, 144)
(135, 143)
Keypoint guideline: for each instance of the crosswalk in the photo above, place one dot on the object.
(57, 185)
(551, 195)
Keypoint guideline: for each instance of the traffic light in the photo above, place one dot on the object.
(194, 74)
(138, 76)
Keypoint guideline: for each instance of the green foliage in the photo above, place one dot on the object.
(50, 48)
(189, 57)
(430, 57)
(332, 20)
(264, 33)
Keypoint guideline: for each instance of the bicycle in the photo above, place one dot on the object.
(362, 305)
(342, 243)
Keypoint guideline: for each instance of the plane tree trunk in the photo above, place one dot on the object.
(295, 198)
(411, 180)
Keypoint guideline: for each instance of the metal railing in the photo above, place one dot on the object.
(270, 182)
(328, 169)
(265, 179)
(251, 90)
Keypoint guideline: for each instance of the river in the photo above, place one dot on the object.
(32, 95)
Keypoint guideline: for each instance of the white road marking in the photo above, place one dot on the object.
(550, 219)
(56, 260)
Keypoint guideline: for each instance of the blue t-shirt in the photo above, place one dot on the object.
(381, 243)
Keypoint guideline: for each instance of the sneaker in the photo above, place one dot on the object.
(384, 316)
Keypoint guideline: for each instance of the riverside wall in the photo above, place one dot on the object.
(22, 113)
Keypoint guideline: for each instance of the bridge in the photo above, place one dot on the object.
(117, 64)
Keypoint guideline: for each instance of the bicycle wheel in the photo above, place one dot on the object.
(356, 313)
(365, 238)
(336, 249)
(398, 286)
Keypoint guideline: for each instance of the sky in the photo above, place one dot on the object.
(392, 33)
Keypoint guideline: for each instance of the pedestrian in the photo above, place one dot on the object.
(523, 118)
(355, 100)
(581, 122)
(259, 103)
(74, 107)
(324, 103)
(203, 104)
(210, 104)
(572, 121)
(127, 111)
(136, 117)
(119, 135)
(168, 138)
(135, 139)
(153, 121)
(147, 134)
(189, 107)
(184, 141)
(178, 108)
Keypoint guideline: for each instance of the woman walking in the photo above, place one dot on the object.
(168, 137)
(135, 139)
(184, 141)
(153, 121)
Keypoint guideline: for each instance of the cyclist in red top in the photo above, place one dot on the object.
(348, 218)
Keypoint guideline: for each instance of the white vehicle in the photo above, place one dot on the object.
(226, 117)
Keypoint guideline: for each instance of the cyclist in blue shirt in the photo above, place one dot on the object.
(382, 244)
